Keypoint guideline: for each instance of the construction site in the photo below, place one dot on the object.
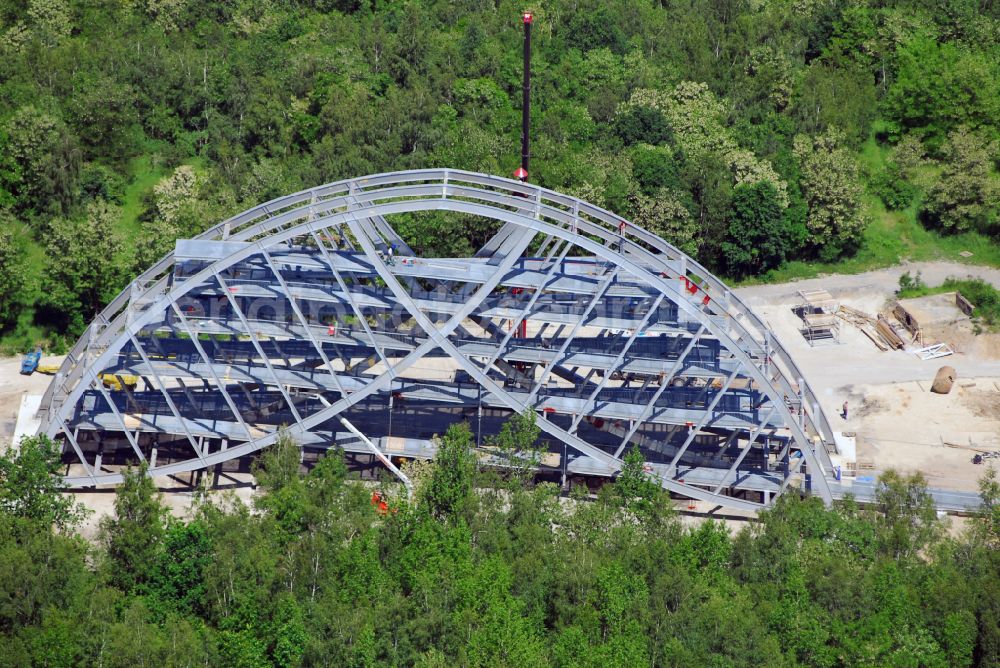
(882, 358)
(310, 316)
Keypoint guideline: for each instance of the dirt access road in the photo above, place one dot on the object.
(882, 280)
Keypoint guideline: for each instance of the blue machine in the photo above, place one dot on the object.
(30, 362)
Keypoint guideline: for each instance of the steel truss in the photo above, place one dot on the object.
(297, 315)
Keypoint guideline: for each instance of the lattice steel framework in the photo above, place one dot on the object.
(310, 312)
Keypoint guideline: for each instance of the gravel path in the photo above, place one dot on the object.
(881, 280)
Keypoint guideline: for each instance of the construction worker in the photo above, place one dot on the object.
(392, 250)
(621, 233)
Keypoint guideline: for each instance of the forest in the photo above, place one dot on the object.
(483, 568)
(769, 138)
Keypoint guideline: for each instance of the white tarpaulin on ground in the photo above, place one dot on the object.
(27, 422)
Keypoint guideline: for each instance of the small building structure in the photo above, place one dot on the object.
(818, 310)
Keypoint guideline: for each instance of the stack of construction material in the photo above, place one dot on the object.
(862, 321)
(879, 330)
(908, 321)
(888, 334)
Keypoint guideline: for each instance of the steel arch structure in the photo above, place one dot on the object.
(310, 313)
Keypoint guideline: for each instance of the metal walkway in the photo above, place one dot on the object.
(296, 315)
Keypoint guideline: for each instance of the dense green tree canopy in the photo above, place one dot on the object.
(758, 237)
(965, 197)
(30, 487)
(85, 268)
(313, 573)
(179, 113)
(830, 187)
(12, 272)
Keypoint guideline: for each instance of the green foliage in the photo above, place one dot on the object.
(12, 275)
(985, 299)
(966, 195)
(633, 486)
(836, 97)
(758, 237)
(97, 182)
(449, 495)
(443, 235)
(516, 448)
(830, 187)
(657, 111)
(910, 285)
(665, 214)
(31, 485)
(85, 270)
(907, 517)
(595, 27)
(134, 537)
(46, 159)
(177, 578)
(313, 575)
(894, 191)
(654, 168)
(939, 87)
(642, 125)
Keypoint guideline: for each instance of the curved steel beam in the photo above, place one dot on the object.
(355, 203)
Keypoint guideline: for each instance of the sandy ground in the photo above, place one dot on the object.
(12, 386)
(176, 494)
(899, 423)
(907, 427)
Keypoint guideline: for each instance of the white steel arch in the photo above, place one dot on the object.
(679, 300)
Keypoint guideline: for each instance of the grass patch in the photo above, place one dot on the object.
(144, 176)
(892, 237)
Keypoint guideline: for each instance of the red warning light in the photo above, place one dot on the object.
(526, 17)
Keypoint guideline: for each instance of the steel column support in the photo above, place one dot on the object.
(350, 299)
(605, 283)
(704, 418)
(256, 344)
(211, 369)
(531, 304)
(669, 378)
(745, 451)
(71, 437)
(302, 321)
(114, 409)
(618, 360)
(166, 396)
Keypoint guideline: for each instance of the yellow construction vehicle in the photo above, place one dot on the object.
(115, 381)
